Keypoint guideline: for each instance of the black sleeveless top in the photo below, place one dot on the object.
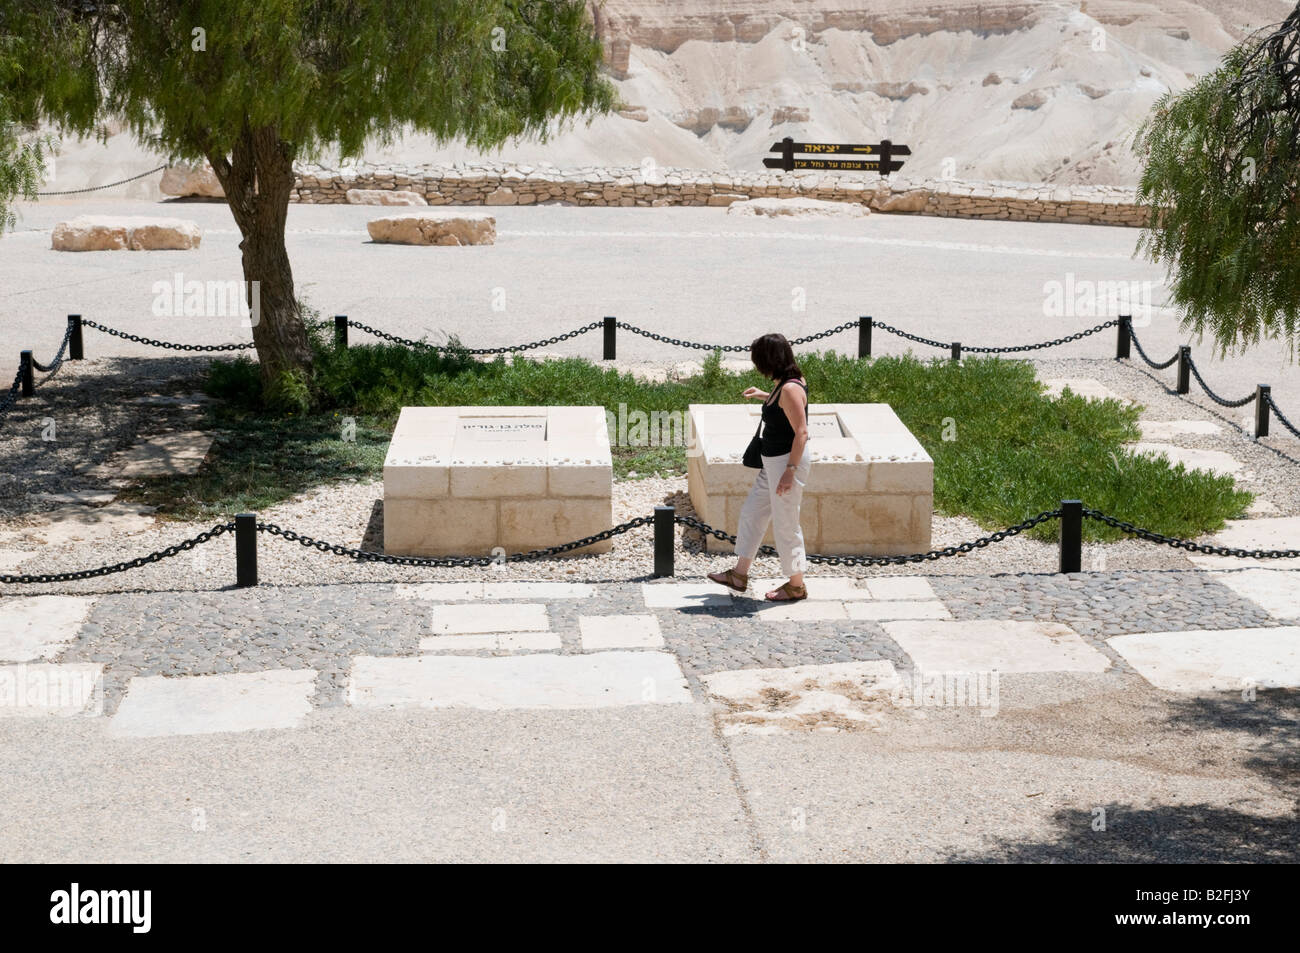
(778, 435)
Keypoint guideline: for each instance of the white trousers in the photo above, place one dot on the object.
(763, 506)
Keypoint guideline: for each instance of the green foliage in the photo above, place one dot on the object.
(22, 155)
(1220, 185)
(1002, 450)
(197, 74)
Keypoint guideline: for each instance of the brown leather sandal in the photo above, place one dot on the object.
(729, 579)
(792, 592)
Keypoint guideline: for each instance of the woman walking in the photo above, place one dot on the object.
(778, 491)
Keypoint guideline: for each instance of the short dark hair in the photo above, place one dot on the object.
(774, 357)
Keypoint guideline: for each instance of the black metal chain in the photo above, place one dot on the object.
(1034, 347)
(1158, 365)
(56, 363)
(910, 337)
(1215, 397)
(474, 350)
(447, 561)
(174, 550)
(959, 550)
(1177, 543)
(111, 185)
(1282, 417)
(947, 345)
(7, 402)
(678, 342)
(153, 342)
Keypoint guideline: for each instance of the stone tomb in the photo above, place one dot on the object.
(870, 490)
(465, 480)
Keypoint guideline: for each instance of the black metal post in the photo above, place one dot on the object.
(246, 549)
(864, 335)
(1261, 410)
(956, 350)
(341, 331)
(75, 352)
(664, 532)
(25, 368)
(787, 154)
(886, 155)
(1184, 368)
(611, 328)
(1124, 339)
(1071, 535)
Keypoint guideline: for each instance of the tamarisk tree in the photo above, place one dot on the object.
(253, 85)
(1221, 184)
(22, 157)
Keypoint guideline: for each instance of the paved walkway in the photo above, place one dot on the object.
(744, 721)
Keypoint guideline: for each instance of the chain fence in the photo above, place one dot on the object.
(1016, 349)
(1221, 401)
(154, 342)
(425, 345)
(1158, 365)
(158, 556)
(690, 522)
(100, 188)
(1277, 411)
(960, 549)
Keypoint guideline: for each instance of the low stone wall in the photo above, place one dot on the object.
(503, 184)
(507, 184)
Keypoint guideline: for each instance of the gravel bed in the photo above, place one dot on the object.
(106, 421)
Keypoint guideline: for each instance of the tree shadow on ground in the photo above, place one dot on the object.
(1266, 727)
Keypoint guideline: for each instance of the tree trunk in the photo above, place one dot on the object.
(258, 179)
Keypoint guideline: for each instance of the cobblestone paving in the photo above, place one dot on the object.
(324, 627)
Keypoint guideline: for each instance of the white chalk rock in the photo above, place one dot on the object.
(185, 181)
(434, 228)
(133, 233)
(384, 197)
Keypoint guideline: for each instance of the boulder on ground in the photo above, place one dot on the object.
(384, 197)
(133, 233)
(182, 180)
(434, 228)
(799, 208)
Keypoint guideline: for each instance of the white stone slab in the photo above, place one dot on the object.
(83, 497)
(493, 641)
(834, 697)
(467, 591)
(1083, 387)
(683, 595)
(900, 587)
(1270, 533)
(208, 704)
(837, 588)
(1169, 429)
(442, 591)
(898, 609)
(1215, 660)
(179, 453)
(804, 610)
(75, 523)
(619, 632)
(43, 689)
(598, 680)
(37, 627)
(1276, 591)
(1215, 461)
(505, 617)
(993, 644)
(538, 590)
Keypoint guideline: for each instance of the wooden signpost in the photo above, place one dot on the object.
(826, 155)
